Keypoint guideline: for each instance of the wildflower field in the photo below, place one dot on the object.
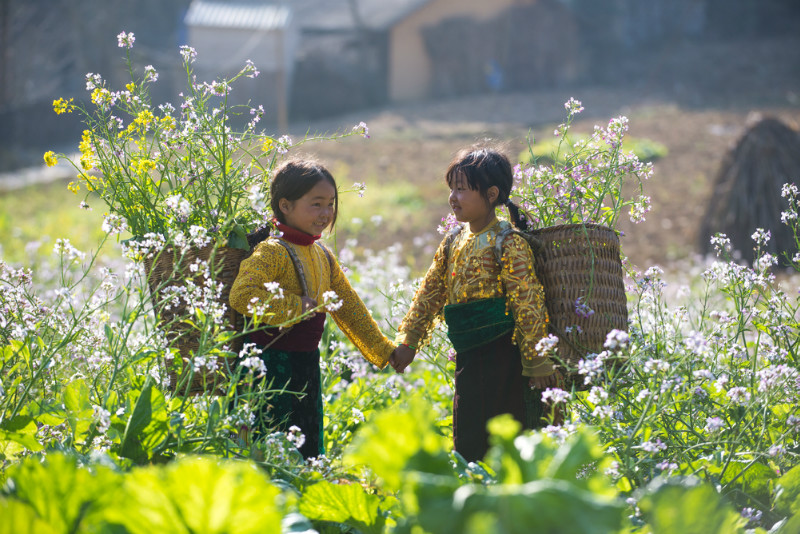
(697, 433)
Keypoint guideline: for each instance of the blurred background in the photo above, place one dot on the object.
(429, 77)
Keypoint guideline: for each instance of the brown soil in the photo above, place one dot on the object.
(698, 123)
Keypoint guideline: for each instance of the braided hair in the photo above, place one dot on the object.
(482, 169)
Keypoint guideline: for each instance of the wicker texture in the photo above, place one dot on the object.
(581, 264)
(168, 269)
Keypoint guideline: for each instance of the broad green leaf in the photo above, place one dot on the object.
(392, 437)
(342, 503)
(67, 497)
(787, 494)
(20, 518)
(539, 506)
(199, 495)
(79, 408)
(147, 426)
(755, 479)
(686, 506)
(21, 430)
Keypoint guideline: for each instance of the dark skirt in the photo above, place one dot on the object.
(300, 405)
(489, 382)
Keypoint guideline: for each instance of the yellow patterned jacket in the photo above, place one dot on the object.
(270, 262)
(471, 272)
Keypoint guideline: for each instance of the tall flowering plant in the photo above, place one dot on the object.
(586, 184)
(175, 169)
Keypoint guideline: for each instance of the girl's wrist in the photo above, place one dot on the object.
(408, 346)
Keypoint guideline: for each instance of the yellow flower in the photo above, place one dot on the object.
(50, 158)
(101, 97)
(130, 87)
(63, 106)
(144, 118)
(74, 187)
(267, 146)
(168, 122)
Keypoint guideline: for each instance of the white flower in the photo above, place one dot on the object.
(547, 346)
(555, 396)
(332, 301)
(616, 339)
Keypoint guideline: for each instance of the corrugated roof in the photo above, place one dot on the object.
(337, 14)
(237, 15)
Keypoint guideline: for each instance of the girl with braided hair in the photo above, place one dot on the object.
(493, 306)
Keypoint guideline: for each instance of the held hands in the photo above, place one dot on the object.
(401, 357)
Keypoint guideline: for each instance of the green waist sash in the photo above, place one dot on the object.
(472, 324)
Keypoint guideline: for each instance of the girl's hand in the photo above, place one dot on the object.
(308, 304)
(401, 357)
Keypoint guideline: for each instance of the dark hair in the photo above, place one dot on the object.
(484, 168)
(294, 178)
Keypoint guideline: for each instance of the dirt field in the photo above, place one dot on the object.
(710, 99)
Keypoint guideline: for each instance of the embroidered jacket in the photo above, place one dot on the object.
(471, 272)
(270, 262)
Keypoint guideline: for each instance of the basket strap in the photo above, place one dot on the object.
(298, 267)
(533, 242)
(448, 240)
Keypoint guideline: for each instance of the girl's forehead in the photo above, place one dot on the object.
(322, 189)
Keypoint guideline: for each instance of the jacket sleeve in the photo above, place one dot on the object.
(428, 301)
(525, 299)
(268, 263)
(356, 322)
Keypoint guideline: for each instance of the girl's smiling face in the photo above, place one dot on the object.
(313, 212)
(469, 205)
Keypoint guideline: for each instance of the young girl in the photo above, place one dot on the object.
(494, 312)
(304, 202)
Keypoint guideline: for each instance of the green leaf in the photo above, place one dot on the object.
(200, 495)
(754, 479)
(342, 503)
(393, 437)
(20, 518)
(66, 497)
(787, 492)
(148, 425)
(238, 238)
(543, 506)
(80, 412)
(21, 430)
(686, 506)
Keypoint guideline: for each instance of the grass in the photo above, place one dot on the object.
(40, 214)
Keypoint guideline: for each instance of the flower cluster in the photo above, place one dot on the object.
(585, 184)
(172, 167)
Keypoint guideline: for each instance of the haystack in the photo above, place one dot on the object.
(747, 190)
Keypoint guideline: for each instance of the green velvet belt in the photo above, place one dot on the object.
(475, 323)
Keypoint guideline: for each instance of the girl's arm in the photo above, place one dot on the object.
(525, 299)
(356, 322)
(428, 301)
(269, 263)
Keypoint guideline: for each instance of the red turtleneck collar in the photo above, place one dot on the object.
(293, 235)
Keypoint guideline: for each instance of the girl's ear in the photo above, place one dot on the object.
(492, 193)
(284, 205)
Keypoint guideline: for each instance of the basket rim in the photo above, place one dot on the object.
(570, 226)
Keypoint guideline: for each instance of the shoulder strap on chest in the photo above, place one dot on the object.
(451, 237)
(298, 266)
(532, 241)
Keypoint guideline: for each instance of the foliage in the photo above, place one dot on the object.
(543, 152)
(699, 432)
(584, 180)
(166, 169)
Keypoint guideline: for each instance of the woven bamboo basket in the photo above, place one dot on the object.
(580, 263)
(168, 269)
